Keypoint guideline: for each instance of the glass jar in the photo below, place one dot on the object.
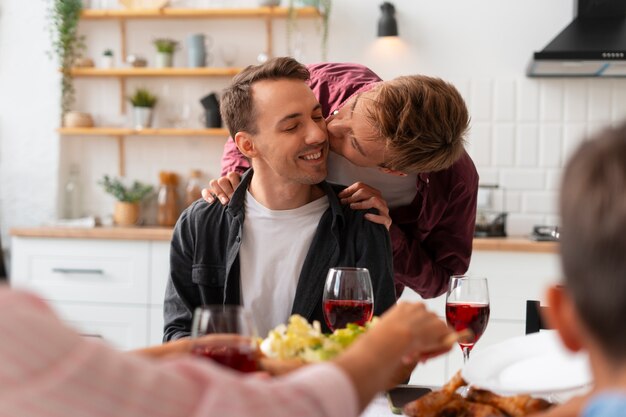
(193, 191)
(72, 198)
(167, 199)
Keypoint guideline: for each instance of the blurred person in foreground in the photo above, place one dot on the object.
(400, 143)
(589, 310)
(270, 248)
(48, 370)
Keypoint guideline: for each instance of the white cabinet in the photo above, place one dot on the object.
(513, 278)
(107, 288)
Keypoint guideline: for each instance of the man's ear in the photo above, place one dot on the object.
(244, 142)
(392, 172)
(563, 317)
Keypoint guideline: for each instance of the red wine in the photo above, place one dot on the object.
(338, 313)
(240, 358)
(474, 316)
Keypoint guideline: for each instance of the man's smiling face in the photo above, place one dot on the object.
(291, 140)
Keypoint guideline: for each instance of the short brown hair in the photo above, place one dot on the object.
(237, 106)
(423, 121)
(593, 241)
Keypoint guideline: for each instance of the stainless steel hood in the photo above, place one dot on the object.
(593, 45)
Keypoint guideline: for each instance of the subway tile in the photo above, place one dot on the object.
(573, 135)
(550, 140)
(487, 176)
(518, 224)
(544, 202)
(479, 144)
(575, 101)
(512, 201)
(463, 85)
(618, 108)
(600, 101)
(553, 179)
(528, 99)
(522, 179)
(552, 220)
(527, 145)
(551, 100)
(503, 145)
(480, 100)
(504, 100)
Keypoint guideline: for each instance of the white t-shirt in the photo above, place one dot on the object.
(397, 191)
(274, 245)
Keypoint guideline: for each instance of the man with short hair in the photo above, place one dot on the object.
(589, 311)
(271, 247)
(401, 144)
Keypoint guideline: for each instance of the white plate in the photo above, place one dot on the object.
(533, 364)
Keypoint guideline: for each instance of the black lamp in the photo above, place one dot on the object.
(387, 25)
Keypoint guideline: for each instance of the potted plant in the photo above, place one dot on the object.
(67, 45)
(143, 102)
(165, 52)
(324, 7)
(107, 58)
(127, 209)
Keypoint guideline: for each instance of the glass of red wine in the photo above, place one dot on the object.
(348, 297)
(467, 307)
(233, 343)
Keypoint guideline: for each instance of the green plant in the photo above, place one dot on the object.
(324, 7)
(67, 44)
(165, 45)
(143, 98)
(108, 52)
(133, 194)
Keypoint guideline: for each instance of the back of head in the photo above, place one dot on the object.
(424, 121)
(237, 105)
(593, 242)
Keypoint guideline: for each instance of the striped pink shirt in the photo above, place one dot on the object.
(48, 370)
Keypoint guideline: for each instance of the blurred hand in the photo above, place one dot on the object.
(222, 188)
(362, 197)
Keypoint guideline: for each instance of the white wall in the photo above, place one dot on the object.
(522, 130)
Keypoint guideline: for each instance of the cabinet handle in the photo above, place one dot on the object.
(92, 335)
(78, 271)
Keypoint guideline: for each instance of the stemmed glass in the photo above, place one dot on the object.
(467, 307)
(234, 345)
(348, 297)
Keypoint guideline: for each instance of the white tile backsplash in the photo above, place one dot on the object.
(527, 145)
(533, 127)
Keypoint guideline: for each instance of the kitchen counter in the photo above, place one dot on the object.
(506, 244)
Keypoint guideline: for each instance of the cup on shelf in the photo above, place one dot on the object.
(198, 50)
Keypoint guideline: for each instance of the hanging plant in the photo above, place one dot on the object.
(324, 7)
(67, 45)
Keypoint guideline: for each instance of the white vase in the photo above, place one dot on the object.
(164, 59)
(142, 117)
(106, 61)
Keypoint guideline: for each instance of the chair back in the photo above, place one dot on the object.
(534, 319)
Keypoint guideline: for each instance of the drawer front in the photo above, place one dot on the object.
(82, 270)
(159, 271)
(121, 326)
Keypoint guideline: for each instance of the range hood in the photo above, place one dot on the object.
(593, 45)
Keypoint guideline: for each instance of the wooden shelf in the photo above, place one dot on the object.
(156, 72)
(214, 13)
(121, 131)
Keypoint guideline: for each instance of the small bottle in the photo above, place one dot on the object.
(72, 198)
(193, 191)
(167, 199)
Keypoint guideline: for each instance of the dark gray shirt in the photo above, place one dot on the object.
(204, 263)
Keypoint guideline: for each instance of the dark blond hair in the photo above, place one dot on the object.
(237, 105)
(593, 241)
(423, 121)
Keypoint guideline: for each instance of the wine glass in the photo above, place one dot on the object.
(348, 297)
(234, 345)
(467, 307)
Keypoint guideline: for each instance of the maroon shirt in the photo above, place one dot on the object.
(431, 237)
